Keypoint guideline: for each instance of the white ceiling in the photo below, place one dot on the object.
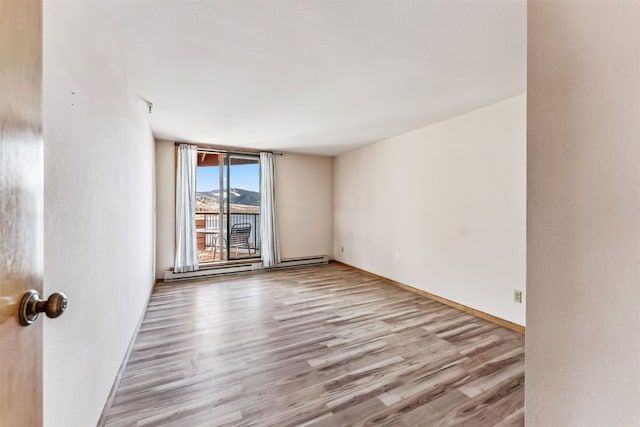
(317, 77)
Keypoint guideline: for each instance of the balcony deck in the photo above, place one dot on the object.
(208, 256)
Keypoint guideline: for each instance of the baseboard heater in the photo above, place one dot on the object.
(310, 260)
(170, 276)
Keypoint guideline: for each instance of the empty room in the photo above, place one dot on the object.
(319, 213)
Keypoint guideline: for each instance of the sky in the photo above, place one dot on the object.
(246, 177)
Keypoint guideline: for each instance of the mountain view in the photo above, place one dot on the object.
(242, 201)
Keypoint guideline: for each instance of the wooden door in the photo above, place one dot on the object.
(21, 202)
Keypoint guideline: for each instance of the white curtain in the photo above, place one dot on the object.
(269, 249)
(186, 248)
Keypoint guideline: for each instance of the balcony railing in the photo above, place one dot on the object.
(211, 221)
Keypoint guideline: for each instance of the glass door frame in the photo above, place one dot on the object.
(225, 220)
(228, 164)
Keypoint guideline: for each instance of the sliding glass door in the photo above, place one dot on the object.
(243, 206)
(227, 206)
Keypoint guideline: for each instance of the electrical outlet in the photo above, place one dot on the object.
(517, 296)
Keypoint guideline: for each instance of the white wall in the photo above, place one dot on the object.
(165, 205)
(98, 215)
(441, 208)
(583, 253)
(304, 199)
(304, 202)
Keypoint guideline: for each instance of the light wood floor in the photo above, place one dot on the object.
(318, 346)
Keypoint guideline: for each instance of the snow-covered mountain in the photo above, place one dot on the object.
(241, 200)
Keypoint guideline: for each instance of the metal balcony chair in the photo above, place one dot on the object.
(239, 237)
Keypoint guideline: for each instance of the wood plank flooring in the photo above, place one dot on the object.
(316, 346)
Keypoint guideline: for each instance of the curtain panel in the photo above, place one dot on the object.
(269, 249)
(186, 248)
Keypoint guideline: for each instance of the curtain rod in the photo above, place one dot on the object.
(233, 150)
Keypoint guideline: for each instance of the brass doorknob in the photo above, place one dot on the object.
(32, 305)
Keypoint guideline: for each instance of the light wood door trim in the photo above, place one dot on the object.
(21, 201)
